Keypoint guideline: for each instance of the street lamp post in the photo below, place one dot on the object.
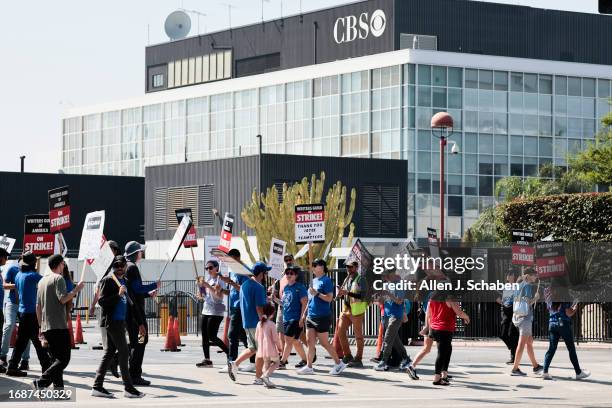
(442, 122)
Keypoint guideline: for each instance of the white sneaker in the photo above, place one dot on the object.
(249, 368)
(102, 393)
(223, 369)
(546, 376)
(583, 374)
(338, 368)
(267, 382)
(305, 370)
(258, 381)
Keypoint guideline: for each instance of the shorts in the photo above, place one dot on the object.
(321, 324)
(279, 321)
(525, 327)
(292, 329)
(251, 339)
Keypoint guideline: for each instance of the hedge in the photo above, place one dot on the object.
(569, 217)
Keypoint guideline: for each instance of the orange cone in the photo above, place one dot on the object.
(14, 335)
(78, 335)
(177, 334)
(170, 340)
(72, 345)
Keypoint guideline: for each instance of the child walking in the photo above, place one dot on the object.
(268, 344)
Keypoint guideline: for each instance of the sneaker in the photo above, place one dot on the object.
(546, 376)
(232, 369)
(510, 362)
(338, 368)
(101, 392)
(267, 382)
(25, 365)
(382, 366)
(516, 372)
(301, 364)
(36, 385)
(131, 392)
(282, 365)
(305, 370)
(258, 381)
(249, 368)
(412, 372)
(13, 372)
(375, 360)
(355, 364)
(441, 381)
(224, 368)
(141, 381)
(404, 364)
(204, 364)
(583, 374)
(347, 359)
(537, 369)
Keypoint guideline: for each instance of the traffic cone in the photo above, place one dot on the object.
(78, 336)
(170, 340)
(177, 334)
(72, 345)
(14, 335)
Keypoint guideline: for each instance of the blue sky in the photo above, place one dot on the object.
(63, 53)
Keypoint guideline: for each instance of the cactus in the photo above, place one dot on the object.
(270, 218)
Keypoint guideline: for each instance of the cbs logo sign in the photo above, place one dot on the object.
(350, 28)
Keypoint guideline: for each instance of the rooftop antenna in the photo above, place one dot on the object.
(197, 13)
(229, 12)
(262, 2)
(177, 25)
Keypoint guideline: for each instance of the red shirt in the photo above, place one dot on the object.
(441, 316)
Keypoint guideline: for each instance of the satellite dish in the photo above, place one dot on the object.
(177, 25)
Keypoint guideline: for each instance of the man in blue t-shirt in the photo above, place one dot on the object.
(26, 284)
(393, 317)
(3, 258)
(318, 321)
(252, 300)
(10, 319)
(236, 333)
(293, 305)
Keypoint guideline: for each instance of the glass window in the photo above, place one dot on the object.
(455, 77)
(561, 105)
(560, 126)
(588, 87)
(516, 123)
(471, 78)
(531, 103)
(409, 73)
(530, 82)
(455, 203)
(470, 185)
(546, 104)
(516, 82)
(500, 102)
(546, 84)
(501, 81)
(545, 146)
(177, 73)
(220, 69)
(185, 71)
(530, 168)
(158, 80)
(546, 125)
(470, 143)
(424, 72)
(588, 107)
(560, 85)
(516, 166)
(471, 163)
(424, 96)
(454, 98)
(424, 162)
(485, 79)
(471, 121)
(471, 99)
(501, 144)
(439, 76)
(439, 97)
(516, 144)
(516, 102)
(531, 146)
(454, 164)
(485, 100)
(603, 88)
(485, 122)
(574, 106)
(486, 186)
(574, 86)
(424, 138)
(424, 183)
(485, 144)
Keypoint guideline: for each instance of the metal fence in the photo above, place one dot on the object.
(592, 322)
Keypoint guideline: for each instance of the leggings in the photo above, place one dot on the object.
(556, 332)
(210, 328)
(444, 340)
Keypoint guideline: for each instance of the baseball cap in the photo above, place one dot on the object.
(113, 245)
(353, 263)
(213, 263)
(132, 247)
(293, 268)
(260, 267)
(28, 258)
(319, 262)
(119, 259)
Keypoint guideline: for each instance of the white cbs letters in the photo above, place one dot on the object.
(349, 28)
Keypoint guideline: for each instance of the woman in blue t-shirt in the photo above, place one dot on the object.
(560, 326)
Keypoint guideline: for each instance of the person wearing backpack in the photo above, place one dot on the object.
(354, 305)
(522, 317)
(508, 331)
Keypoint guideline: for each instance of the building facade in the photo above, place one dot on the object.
(525, 87)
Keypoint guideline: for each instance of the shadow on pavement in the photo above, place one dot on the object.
(172, 388)
(304, 391)
(8, 384)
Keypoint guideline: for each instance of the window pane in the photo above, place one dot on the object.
(455, 77)
(439, 97)
(424, 72)
(485, 79)
(516, 82)
(501, 81)
(486, 186)
(516, 145)
(531, 83)
(501, 144)
(485, 143)
(561, 85)
(588, 87)
(439, 76)
(545, 84)
(545, 146)
(471, 78)
(454, 98)
(574, 86)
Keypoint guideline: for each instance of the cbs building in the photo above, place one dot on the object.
(524, 86)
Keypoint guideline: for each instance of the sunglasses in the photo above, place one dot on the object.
(210, 268)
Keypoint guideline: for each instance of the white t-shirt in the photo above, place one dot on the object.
(214, 306)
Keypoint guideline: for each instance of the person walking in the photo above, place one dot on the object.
(428, 341)
(4, 255)
(508, 331)
(560, 327)
(443, 310)
(26, 284)
(114, 299)
(252, 300)
(353, 292)
(10, 309)
(213, 311)
(267, 344)
(292, 309)
(236, 333)
(394, 311)
(51, 311)
(318, 318)
(522, 317)
(138, 292)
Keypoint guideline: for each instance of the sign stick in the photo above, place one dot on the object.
(163, 270)
(195, 268)
(114, 278)
(310, 254)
